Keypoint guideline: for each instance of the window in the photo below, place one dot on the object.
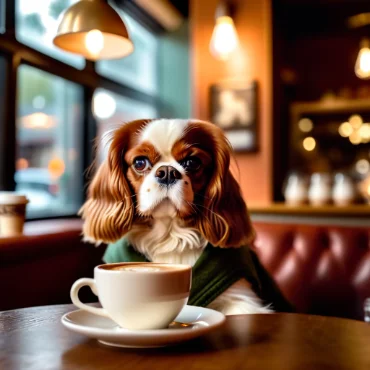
(46, 121)
(49, 123)
(112, 110)
(37, 24)
(137, 70)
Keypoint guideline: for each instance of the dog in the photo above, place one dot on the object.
(167, 188)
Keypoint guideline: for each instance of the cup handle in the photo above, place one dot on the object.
(76, 301)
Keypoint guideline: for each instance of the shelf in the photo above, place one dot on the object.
(356, 210)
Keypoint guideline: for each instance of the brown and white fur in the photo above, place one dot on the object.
(131, 195)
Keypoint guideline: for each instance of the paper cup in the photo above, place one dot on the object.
(12, 213)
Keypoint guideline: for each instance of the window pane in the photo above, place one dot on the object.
(37, 23)
(4, 153)
(49, 124)
(137, 70)
(111, 110)
(2, 16)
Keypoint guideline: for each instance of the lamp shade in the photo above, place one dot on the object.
(93, 29)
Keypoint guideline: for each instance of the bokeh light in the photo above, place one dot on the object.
(305, 125)
(345, 129)
(309, 143)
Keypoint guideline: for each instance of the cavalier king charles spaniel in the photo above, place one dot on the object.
(167, 187)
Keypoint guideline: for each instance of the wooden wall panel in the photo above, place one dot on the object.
(253, 61)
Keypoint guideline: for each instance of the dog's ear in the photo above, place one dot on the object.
(224, 220)
(109, 210)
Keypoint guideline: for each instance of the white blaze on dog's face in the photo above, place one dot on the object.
(165, 168)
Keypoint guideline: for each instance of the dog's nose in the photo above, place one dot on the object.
(167, 175)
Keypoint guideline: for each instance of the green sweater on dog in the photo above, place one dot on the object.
(214, 272)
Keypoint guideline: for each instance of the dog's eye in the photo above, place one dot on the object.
(141, 164)
(191, 164)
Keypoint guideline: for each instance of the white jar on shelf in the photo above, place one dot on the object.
(296, 189)
(319, 192)
(344, 192)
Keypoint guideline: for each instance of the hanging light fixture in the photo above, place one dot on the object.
(224, 38)
(93, 29)
(362, 66)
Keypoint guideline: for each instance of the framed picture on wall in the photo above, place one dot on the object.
(233, 107)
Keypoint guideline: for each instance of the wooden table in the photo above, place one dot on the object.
(33, 338)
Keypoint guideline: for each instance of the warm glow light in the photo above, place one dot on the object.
(362, 66)
(21, 164)
(56, 167)
(94, 42)
(345, 129)
(368, 189)
(309, 143)
(364, 132)
(355, 138)
(104, 105)
(355, 120)
(38, 120)
(224, 38)
(305, 125)
(362, 166)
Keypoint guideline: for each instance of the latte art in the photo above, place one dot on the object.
(137, 269)
(146, 267)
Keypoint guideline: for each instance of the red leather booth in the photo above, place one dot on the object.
(321, 269)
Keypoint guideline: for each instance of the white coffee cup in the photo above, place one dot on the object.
(139, 295)
(12, 213)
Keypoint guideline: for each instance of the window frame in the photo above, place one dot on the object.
(16, 54)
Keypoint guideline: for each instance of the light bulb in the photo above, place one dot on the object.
(224, 38)
(362, 67)
(94, 43)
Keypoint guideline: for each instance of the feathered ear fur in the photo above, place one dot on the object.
(109, 210)
(224, 218)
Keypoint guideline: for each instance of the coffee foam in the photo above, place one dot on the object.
(142, 267)
(137, 269)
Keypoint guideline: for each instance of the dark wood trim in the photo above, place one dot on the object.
(8, 146)
(280, 115)
(89, 134)
(9, 16)
(4, 63)
(136, 12)
(87, 76)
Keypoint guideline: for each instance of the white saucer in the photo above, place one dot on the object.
(199, 320)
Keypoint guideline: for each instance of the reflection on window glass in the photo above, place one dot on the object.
(48, 164)
(37, 23)
(137, 70)
(111, 110)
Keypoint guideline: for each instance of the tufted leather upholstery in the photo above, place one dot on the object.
(320, 269)
(40, 267)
